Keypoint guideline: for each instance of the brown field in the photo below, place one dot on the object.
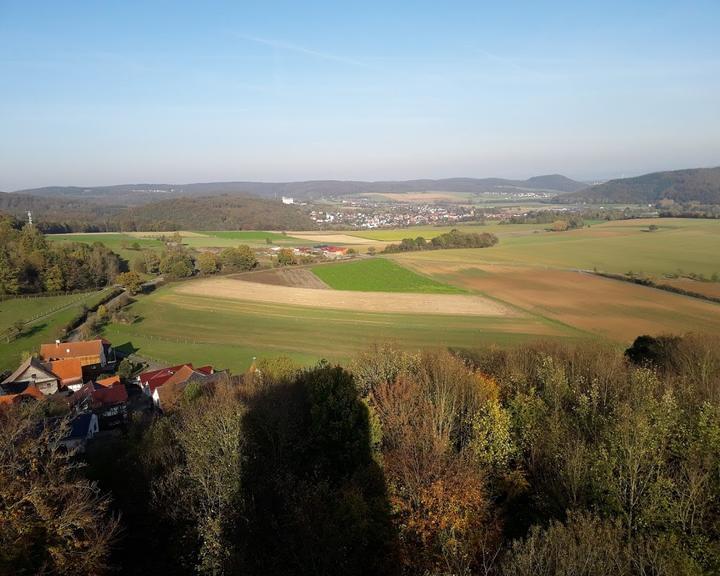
(294, 277)
(711, 289)
(232, 288)
(335, 238)
(614, 309)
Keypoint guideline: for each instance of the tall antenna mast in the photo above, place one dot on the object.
(29, 218)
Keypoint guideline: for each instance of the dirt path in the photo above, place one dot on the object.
(392, 302)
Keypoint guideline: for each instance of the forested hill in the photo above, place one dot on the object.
(693, 185)
(136, 194)
(204, 213)
(215, 213)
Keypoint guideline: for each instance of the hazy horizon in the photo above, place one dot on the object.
(168, 92)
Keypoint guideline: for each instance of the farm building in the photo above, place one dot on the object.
(93, 355)
(32, 372)
(150, 381)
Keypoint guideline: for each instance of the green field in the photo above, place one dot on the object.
(379, 275)
(621, 246)
(174, 327)
(220, 239)
(50, 315)
(115, 242)
(428, 232)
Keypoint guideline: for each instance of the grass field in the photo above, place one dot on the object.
(52, 313)
(115, 242)
(379, 275)
(177, 327)
(428, 232)
(621, 246)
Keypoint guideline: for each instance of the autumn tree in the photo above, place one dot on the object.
(53, 520)
(131, 281)
(239, 259)
(208, 263)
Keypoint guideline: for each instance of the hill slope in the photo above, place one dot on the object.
(693, 185)
(215, 213)
(137, 194)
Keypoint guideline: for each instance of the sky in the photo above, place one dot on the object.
(107, 92)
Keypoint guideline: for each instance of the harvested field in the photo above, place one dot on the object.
(334, 238)
(614, 309)
(711, 289)
(295, 277)
(455, 304)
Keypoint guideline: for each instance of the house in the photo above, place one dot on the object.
(109, 403)
(109, 382)
(149, 381)
(30, 393)
(334, 252)
(70, 372)
(167, 396)
(82, 428)
(32, 372)
(93, 355)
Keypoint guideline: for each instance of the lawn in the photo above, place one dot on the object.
(174, 327)
(379, 275)
(50, 315)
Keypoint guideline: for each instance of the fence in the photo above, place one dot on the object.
(9, 334)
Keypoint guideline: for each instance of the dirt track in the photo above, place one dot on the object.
(468, 305)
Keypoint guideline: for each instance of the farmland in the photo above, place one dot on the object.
(175, 326)
(533, 275)
(689, 246)
(45, 317)
(379, 275)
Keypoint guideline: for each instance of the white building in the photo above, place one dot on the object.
(288, 200)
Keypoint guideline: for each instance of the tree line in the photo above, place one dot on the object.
(547, 458)
(31, 264)
(452, 239)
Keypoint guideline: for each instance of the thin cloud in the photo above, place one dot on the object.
(297, 49)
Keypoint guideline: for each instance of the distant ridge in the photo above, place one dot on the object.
(136, 194)
(692, 185)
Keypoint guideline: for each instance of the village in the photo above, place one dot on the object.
(98, 389)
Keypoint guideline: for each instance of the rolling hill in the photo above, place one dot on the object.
(223, 212)
(700, 185)
(138, 194)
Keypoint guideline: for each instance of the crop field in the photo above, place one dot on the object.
(45, 318)
(683, 245)
(428, 232)
(379, 275)
(175, 326)
(615, 310)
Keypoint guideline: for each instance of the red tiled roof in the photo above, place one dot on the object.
(108, 382)
(109, 396)
(90, 349)
(69, 371)
(155, 378)
(207, 370)
(29, 392)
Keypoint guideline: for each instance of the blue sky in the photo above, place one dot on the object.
(102, 92)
